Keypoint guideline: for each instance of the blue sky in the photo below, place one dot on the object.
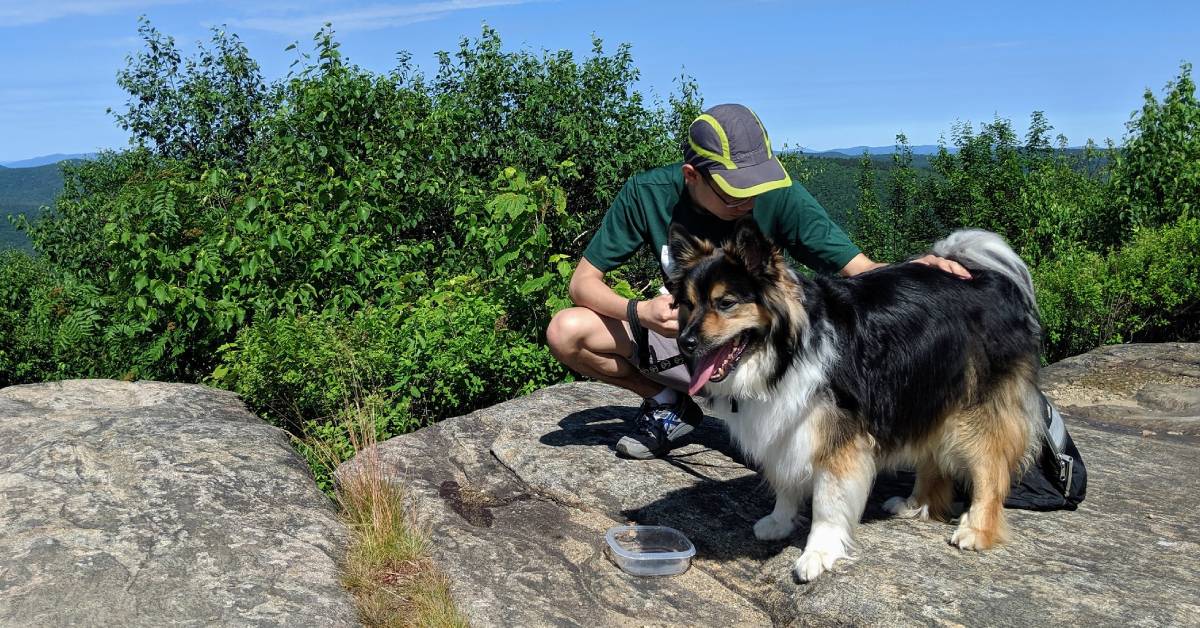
(820, 74)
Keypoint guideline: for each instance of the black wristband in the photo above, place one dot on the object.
(631, 313)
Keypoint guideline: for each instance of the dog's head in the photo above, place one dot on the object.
(740, 306)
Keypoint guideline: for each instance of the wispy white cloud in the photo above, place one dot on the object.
(363, 18)
(25, 13)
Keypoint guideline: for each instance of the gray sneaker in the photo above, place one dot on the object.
(660, 427)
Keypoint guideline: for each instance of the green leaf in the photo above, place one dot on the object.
(535, 284)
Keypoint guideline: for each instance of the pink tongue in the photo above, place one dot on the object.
(705, 369)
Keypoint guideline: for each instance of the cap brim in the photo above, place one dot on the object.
(752, 180)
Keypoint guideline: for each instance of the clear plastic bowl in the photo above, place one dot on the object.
(650, 550)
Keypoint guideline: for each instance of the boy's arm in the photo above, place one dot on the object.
(861, 264)
(588, 290)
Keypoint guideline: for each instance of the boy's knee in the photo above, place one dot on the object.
(567, 329)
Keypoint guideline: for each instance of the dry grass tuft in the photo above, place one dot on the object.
(387, 566)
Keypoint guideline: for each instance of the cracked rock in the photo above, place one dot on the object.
(152, 504)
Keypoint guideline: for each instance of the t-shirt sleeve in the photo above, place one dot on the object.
(621, 233)
(810, 236)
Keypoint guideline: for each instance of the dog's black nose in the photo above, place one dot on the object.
(687, 343)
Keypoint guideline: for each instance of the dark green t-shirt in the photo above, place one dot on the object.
(650, 201)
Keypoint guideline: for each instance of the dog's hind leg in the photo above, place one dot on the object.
(995, 441)
(931, 498)
(983, 526)
(841, 482)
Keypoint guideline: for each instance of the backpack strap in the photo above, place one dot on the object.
(1054, 435)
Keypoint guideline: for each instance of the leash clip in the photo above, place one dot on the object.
(1066, 470)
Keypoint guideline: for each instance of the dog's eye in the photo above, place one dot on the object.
(727, 303)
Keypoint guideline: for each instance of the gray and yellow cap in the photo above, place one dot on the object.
(730, 143)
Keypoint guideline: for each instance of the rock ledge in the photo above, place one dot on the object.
(518, 497)
(152, 504)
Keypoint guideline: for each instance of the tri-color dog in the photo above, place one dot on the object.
(825, 381)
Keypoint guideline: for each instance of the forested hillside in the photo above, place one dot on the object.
(22, 192)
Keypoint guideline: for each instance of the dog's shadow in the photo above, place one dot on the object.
(716, 513)
(719, 515)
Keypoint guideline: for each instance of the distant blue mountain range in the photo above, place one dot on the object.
(45, 159)
(857, 151)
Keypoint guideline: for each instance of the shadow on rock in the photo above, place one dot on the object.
(717, 512)
(602, 426)
(605, 425)
(719, 515)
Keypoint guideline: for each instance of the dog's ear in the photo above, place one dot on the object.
(685, 250)
(756, 252)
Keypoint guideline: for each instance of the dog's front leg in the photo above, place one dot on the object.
(842, 480)
(782, 521)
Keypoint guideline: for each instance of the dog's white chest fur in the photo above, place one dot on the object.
(774, 428)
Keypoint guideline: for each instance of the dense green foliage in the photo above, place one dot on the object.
(1156, 176)
(398, 240)
(336, 235)
(200, 110)
(1111, 236)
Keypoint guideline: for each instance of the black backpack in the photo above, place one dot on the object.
(1057, 480)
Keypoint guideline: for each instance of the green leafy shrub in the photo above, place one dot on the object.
(49, 323)
(1148, 290)
(1072, 296)
(1159, 282)
(505, 234)
(22, 280)
(150, 237)
(202, 109)
(447, 353)
(338, 189)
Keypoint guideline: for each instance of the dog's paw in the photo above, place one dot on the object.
(966, 537)
(813, 563)
(906, 508)
(771, 529)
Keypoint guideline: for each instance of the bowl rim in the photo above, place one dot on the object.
(611, 537)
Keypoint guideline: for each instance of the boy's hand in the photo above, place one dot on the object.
(950, 266)
(660, 315)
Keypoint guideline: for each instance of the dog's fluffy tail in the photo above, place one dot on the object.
(984, 249)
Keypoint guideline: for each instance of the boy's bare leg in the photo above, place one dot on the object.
(597, 346)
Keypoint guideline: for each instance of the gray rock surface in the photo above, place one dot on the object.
(1133, 388)
(151, 504)
(518, 496)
